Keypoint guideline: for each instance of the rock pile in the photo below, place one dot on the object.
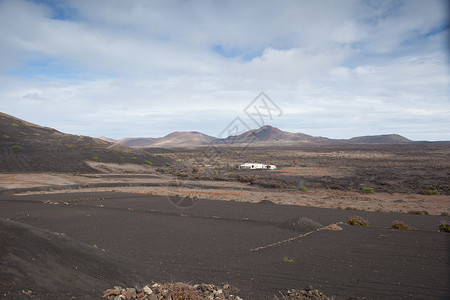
(305, 294)
(173, 291)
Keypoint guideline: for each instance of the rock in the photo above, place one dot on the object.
(132, 292)
(152, 297)
(146, 289)
(111, 292)
(138, 289)
(309, 288)
(120, 297)
(126, 293)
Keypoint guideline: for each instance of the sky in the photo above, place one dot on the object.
(142, 68)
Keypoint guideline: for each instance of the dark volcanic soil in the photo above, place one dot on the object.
(212, 242)
(391, 168)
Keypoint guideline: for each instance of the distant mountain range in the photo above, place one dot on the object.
(266, 135)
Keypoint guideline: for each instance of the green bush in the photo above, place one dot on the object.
(133, 157)
(148, 163)
(400, 225)
(15, 147)
(357, 221)
(167, 164)
(444, 226)
(287, 260)
(367, 190)
(429, 192)
(303, 188)
(122, 157)
(15, 125)
(95, 158)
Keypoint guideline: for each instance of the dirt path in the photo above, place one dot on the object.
(155, 184)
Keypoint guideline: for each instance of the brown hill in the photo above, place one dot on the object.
(137, 142)
(27, 147)
(380, 139)
(184, 139)
(269, 135)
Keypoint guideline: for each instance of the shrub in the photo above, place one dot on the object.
(418, 212)
(400, 225)
(148, 163)
(367, 190)
(167, 164)
(303, 188)
(15, 125)
(429, 192)
(133, 157)
(444, 214)
(95, 158)
(16, 147)
(95, 150)
(287, 260)
(444, 226)
(357, 221)
(122, 157)
(70, 147)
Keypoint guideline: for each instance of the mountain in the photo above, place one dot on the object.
(27, 147)
(107, 139)
(380, 139)
(184, 139)
(263, 136)
(269, 135)
(136, 142)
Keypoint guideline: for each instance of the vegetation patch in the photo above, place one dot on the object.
(133, 157)
(429, 192)
(95, 158)
(303, 188)
(418, 212)
(15, 147)
(357, 221)
(367, 190)
(400, 225)
(148, 163)
(287, 260)
(444, 226)
(15, 125)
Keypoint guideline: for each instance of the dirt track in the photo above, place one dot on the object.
(156, 184)
(212, 242)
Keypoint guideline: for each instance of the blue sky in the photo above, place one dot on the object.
(146, 68)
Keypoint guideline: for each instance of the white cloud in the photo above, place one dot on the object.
(363, 67)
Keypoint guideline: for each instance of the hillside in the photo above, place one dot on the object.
(263, 136)
(269, 135)
(27, 147)
(136, 142)
(380, 139)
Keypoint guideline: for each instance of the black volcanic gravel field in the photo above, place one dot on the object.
(88, 242)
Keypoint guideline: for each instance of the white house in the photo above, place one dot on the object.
(255, 166)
